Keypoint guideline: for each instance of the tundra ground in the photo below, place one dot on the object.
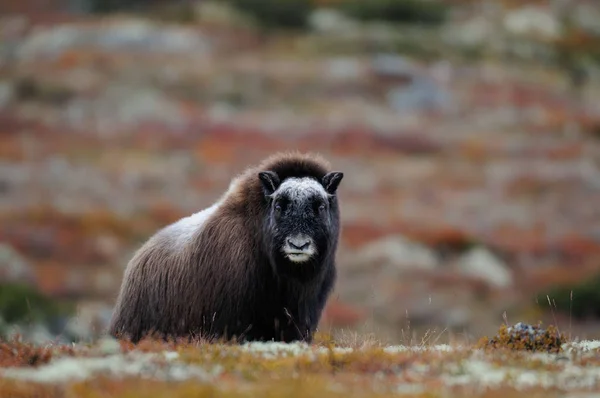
(155, 369)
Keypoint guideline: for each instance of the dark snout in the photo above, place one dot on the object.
(299, 243)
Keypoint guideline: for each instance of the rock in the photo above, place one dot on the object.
(473, 32)
(132, 35)
(421, 93)
(324, 20)
(390, 65)
(532, 21)
(587, 17)
(409, 89)
(396, 252)
(14, 268)
(6, 94)
(480, 263)
(344, 69)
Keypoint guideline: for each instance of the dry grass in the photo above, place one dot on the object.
(17, 353)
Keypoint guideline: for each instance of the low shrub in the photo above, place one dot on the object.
(289, 14)
(16, 353)
(22, 304)
(581, 300)
(109, 6)
(430, 12)
(294, 14)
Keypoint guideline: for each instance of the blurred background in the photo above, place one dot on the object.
(468, 131)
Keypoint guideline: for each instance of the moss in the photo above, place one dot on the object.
(525, 338)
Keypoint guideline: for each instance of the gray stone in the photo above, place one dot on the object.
(330, 21)
(14, 268)
(393, 65)
(533, 22)
(420, 93)
(344, 69)
(6, 94)
(473, 32)
(480, 263)
(396, 252)
(117, 35)
(588, 18)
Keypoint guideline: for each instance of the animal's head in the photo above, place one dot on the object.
(302, 219)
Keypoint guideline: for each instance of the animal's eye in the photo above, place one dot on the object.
(322, 208)
(278, 208)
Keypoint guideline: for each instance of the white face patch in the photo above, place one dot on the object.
(299, 248)
(300, 189)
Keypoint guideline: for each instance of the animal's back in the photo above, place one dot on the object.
(160, 277)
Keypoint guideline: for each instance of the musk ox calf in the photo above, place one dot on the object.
(259, 264)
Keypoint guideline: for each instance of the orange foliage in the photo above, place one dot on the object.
(17, 354)
(164, 213)
(565, 152)
(358, 234)
(441, 235)
(512, 238)
(52, 277)
(475, 150)
(542, 278)
(213, 150)
(338, 314)
(70, 59)
(579, 245)
(11, 148)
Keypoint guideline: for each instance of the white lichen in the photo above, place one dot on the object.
(478, 369)
(119, 365)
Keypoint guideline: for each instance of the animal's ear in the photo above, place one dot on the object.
(331, 181)
(270, 181)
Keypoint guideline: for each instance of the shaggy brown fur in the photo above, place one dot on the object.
(222, 282)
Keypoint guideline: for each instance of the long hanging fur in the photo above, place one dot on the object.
(211, 274)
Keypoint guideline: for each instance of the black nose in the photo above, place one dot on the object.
(298, 244)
